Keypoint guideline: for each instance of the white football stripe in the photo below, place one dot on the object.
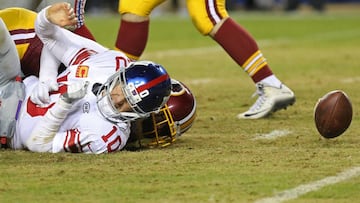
(23, 36)
(311, 187)
(262, 43)
(213, 11)
(272, 135)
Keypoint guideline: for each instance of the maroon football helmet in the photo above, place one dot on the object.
(182, 106)
(161, 129)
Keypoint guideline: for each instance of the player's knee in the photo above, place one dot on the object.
(201, 22)
(139, 7)
(203, 28)
(206, 19)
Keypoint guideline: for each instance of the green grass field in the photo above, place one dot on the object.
(221, 158)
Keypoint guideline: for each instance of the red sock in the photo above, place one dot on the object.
(240, 45)
(132, 38)
(84, 32)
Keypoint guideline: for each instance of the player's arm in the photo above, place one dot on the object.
(42, 136)
(48, 27)
(64, 44)
(49, 66)
(50, 20)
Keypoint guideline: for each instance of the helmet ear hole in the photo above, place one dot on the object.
(176, 87)
(182, 106)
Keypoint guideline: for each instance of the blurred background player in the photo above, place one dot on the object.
(210, 18)
(293, 5)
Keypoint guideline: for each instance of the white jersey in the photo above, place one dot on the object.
(84, 129)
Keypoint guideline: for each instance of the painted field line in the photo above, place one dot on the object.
(272, 135)
(311, 187)
(201, 81)
(183, 52)
(262, 43)
(203, 50)
(350, 80)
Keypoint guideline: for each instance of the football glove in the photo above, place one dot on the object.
(40, 94)
(75, 91)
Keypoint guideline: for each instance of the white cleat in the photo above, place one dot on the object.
(270, 100)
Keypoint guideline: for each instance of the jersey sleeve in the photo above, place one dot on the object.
(112, 139)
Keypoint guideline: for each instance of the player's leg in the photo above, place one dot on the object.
(211, 18)
(291, 5)
(318, 5)
(134, 26)
(12, 91)
(9, 63)
(79, 6)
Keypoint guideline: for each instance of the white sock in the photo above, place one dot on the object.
(272, 80)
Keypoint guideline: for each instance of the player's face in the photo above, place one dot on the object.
(119, 100)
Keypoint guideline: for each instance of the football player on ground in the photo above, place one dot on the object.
(157, 127)
(211, 19)
(97, 96)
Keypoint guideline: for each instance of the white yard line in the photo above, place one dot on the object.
(200, 81)
(351, 80)
(204, 50)
(272, 135)
(262, 43)
(182, 52)
(340, 34)
(311, 187)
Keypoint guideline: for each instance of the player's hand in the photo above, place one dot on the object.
(40, 94)
(61, 14)
(75, 91)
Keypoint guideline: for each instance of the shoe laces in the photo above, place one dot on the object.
(261, 97)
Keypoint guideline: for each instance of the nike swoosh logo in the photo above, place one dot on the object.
(253, 114)
(286, 92)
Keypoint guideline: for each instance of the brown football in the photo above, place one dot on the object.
(333, 114)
